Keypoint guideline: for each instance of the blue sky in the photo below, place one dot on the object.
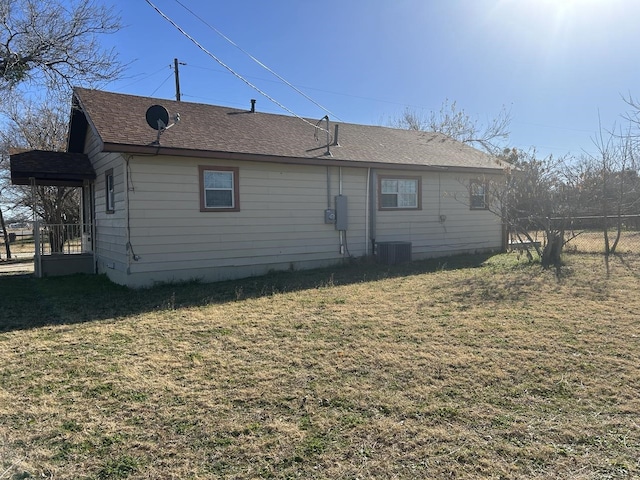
(557, 65)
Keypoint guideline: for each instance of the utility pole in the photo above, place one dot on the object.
(177, 75)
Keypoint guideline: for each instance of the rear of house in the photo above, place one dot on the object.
(227, 193)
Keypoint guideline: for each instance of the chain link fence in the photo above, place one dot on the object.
(587, 234)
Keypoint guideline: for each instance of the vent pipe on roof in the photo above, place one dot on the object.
(315, 135)
(253, 105)
(335, 137)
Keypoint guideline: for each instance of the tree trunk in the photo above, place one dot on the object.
(551, 255)
(57, 238)
(618, 231)
(605, 231)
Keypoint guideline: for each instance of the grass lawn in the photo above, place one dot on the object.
(483, 367)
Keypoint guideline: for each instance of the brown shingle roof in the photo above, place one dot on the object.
(205, 130)
(50, 168)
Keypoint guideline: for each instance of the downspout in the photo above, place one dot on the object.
(372, 209)
(366, 213)
(131, 255)
(126, 194)
(340, 232)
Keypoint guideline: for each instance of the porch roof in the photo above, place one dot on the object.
(50, 168)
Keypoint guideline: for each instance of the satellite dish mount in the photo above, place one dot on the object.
(158, 118)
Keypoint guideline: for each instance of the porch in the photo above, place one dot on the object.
(59, 249)
(63, 249)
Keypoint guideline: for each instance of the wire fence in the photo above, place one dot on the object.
(587, 234)
(581, 235)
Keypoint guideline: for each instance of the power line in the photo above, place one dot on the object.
(237, 75)
(256, 60)
(371, 99)
(163, 82)
(142, 77)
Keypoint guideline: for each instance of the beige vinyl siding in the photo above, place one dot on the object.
(280, 223)
(110, 228)
(445, 225)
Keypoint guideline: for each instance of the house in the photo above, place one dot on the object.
(227, 193)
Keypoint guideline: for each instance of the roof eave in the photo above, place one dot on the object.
(80, 121)
(254, 157)
(38, 178)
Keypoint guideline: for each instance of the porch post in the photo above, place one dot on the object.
(37, 259)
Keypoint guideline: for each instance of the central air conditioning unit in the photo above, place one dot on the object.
(392, 253)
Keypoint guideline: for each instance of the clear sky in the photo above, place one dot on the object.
(556, 65)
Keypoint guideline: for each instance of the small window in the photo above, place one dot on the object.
(219, 189)
(397, 193)
(110, 196)
(478, 196)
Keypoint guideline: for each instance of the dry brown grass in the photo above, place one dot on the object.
(20, 247)
(501, 371)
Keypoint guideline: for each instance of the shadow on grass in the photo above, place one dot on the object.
(29, 302)
(631, 262)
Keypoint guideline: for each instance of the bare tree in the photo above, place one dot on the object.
(606, 183)
(51, 45)
(531, 197)
(456, 123)
(54, 43)
(41, 127)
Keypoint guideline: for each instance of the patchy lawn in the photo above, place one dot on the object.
(494, 369)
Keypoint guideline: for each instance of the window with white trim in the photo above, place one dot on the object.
(397, 193)
(478, 196)
(219, 189)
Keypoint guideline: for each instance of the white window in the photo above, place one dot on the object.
(219, 189)
(478, 196)
(399, 193)
(110, 196)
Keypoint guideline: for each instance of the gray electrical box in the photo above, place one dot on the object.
(341, 213)
(329, 216)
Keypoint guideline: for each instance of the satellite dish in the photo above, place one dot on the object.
(157, 117)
